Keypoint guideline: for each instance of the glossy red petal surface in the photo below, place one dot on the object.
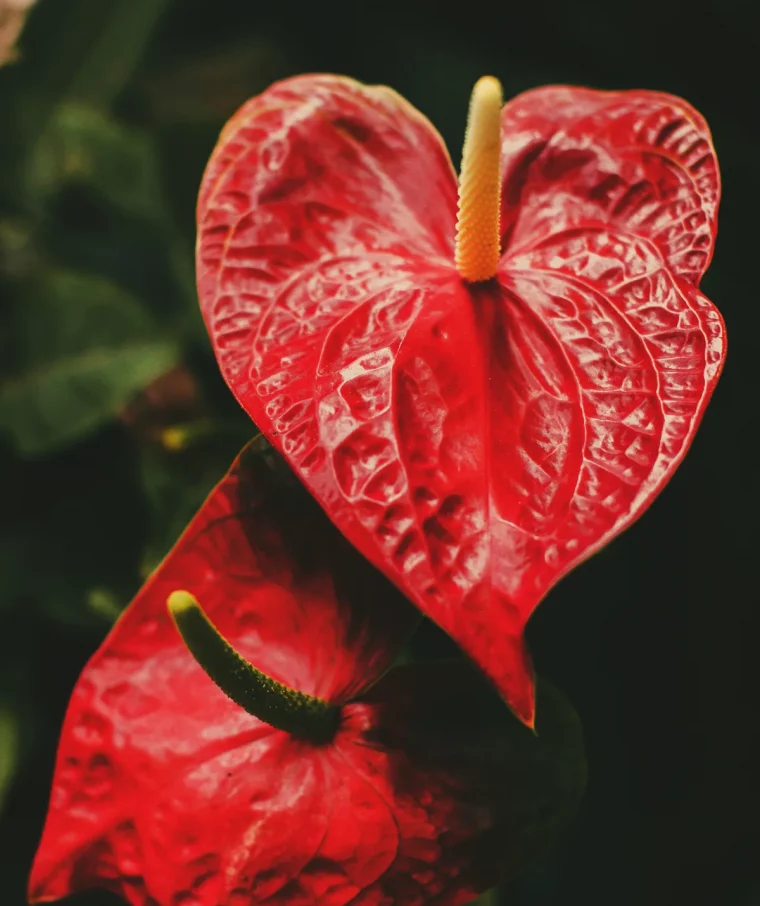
(611, 363)
(149, 741)
(170, 795)
(473, 442)
(638, 161)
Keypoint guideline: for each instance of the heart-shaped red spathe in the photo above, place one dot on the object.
(475, 442)
(168, 793)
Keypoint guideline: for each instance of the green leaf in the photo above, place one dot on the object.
(8, 749)
(111, 61)
(85, 146)
(84, 346)
(490, 898)
(104, 603)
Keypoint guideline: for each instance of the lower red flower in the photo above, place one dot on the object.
(170, 794)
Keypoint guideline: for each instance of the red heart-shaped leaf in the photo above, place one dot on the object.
(475, 442)
(168, 793)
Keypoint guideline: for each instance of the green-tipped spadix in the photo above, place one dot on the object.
(274, 703)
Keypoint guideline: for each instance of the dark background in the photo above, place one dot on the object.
(105, 125)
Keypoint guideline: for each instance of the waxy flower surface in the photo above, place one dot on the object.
(427, 789)
(476, 420)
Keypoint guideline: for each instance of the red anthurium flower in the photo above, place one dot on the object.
(481, 405)
(417, 787)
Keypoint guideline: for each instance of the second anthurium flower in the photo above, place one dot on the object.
(482, 383)
(329, 779)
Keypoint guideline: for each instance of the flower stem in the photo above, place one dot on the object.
(274, 703)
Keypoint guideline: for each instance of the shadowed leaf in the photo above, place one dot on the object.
(8, 749)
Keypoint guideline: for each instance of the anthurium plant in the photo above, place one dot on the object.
(321, 776)
(479, 401)
(478, 382)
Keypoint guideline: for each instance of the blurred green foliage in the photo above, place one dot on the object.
(83, 145)
(87, 346)
(8, 748)
(114, 422)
